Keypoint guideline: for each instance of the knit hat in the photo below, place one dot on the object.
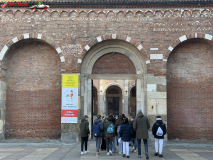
(139, 111)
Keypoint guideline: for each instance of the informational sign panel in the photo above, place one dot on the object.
(69, 113)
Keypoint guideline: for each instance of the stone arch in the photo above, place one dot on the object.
(114, 84)
(38, 36)
(106, 44)
(184, 38)
(127, 39)
(111, 96)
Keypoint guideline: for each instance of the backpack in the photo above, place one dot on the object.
(96, 130)
(159, 131)
(110, 129)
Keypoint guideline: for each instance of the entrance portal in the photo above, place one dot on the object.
(115, 60)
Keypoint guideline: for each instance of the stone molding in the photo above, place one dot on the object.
(38, 36)
(98, 14)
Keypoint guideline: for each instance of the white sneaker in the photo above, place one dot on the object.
(132, 149)
(108, 154)
(82, 153)
(86, 152)
(135, 150)
(120, 152)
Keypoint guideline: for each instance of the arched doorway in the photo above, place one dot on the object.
(32, 71)
(114, 100)
(190, 91)
(121, 49)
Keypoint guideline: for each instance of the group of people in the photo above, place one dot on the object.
(124, 132)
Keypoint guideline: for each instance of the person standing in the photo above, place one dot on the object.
(84, 132)
(113, 141)
(98, 132)
(103, 145)
(159, 130)
(126, 132)
(117, 129)
(109, 134)
(141, 126)
(133, 141)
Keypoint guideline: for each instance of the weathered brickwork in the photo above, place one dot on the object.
(33, 103)
(32, 69)
(114, 63)
(189, 91)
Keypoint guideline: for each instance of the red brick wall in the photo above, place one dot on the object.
(114, 63)
(33, 104)
(190, 91)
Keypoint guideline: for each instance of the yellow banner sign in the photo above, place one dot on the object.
(70, 81)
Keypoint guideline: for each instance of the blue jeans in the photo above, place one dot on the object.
(135, 143)
(113, 145)
(109, 144)
(98, 143)
(120, 147)
(145, 146)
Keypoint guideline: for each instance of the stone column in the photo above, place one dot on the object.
(126, 98)
(101, 99)
(138, 94)
(2, 109)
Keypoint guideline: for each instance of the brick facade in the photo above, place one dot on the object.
(32, 68)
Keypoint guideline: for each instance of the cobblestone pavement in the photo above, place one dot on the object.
(55, 150)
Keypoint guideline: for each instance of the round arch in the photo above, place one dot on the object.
(113, 84)
(114, 46)
(183, 38)
(37, 36)
(94, 51)
(114, 101)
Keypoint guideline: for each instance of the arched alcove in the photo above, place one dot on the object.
(190, 90)
(32, 72)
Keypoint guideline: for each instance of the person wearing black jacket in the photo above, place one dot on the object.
(159, 130)
(126, 132)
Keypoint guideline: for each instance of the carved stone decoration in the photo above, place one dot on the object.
(54, 14)
(26, 14)
(83, 14)
(149, 14)
(186, 14)
(37, 13)
(139, 14)
(92, 15)
(129, 14)
(101, 15)
(9, 14)
(45, 14)
(177, 13)
(196, 13)
(158, 14)
(73, 14)
(18, 14)
(167, 14)
(64, 14)
(205, 13)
